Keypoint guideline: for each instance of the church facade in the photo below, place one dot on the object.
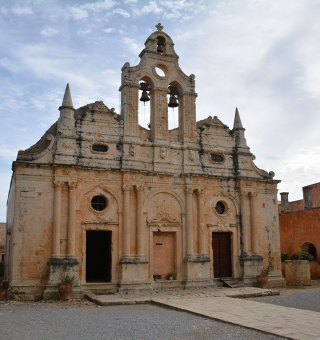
(123, 207)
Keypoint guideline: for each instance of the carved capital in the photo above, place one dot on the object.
(72, 185)
(188, 191)
(58, 184)
(139, 187)
(126, 187)
(244, 195)
(200, 191)
(253, 194)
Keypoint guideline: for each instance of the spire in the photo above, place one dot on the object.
(67, 100)
(237, 125)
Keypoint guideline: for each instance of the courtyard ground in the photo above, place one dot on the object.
(82, 319)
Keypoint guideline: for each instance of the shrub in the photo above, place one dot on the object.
(294, 257)
(306, 256)
(265, 272)
(67, 278)
(284, 257)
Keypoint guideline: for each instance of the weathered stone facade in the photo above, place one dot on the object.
(157, 196)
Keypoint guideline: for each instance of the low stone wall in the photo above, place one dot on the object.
(298, 273)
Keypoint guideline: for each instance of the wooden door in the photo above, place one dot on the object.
(163, 254)
(221, 245)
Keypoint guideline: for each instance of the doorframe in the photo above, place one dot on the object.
(167, 228)
(100, 226)
(233, 229)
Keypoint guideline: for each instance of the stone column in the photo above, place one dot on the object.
(140, 224)
(56, 219)
(72, 220)
(201, 229)
(254, 224)
(245, 227)
(189, 221)
(126, 221)
(284, 202)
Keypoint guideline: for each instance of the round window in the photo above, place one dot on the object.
(220, 208)
(98, 203)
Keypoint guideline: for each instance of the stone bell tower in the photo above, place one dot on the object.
(158, 53)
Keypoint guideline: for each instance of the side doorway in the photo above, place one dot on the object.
(221, 246)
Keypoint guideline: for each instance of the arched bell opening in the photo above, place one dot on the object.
(144, 103)
(173, 105)
(161, 44)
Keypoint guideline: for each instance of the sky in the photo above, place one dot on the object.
(262, 56)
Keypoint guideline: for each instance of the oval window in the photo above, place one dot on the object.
(216, 158)
(98, 203)
(99, 148)
(220, 208)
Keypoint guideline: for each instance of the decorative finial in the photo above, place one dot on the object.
(159, 27)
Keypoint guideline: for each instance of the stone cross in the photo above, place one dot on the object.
(159, 27)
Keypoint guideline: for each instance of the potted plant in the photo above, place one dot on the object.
(157, 277)
(298, 269)
(2, 292)
(170, 277)
(66, 286)
(262, 279)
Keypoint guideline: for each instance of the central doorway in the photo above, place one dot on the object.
(221, 245)
(164, 254)
(98, 256)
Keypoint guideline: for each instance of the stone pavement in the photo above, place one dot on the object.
(224, 304)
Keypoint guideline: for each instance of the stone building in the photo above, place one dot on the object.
(300, 225)
(114, 203)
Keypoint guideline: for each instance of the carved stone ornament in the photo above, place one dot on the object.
(163, 153)
(98, 105)
(163, 216)
(191, 155)
(132, 150)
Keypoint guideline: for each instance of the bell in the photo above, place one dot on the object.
(160, 48)
(144, 97)
(173, 102)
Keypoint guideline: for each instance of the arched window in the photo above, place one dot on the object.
(161, 45)
(173, 103)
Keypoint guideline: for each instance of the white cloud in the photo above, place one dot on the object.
(108, 30)
(78, 13)
(99, 5)
(108, 72)
(22, 10)
(83, 32)
(151, 7)
(132, 45)
(48, 32)
(122, 12)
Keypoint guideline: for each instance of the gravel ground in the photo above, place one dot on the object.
(303, 298)
(75, 320)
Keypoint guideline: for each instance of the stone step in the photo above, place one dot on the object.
(231, 283)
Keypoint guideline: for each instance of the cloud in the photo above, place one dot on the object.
(78, 13)
(48, 32)
(81, 12)
(83, 32)
(108, 30)
(121, 12)
(22, 10)
(132, 45)
(151, 7)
